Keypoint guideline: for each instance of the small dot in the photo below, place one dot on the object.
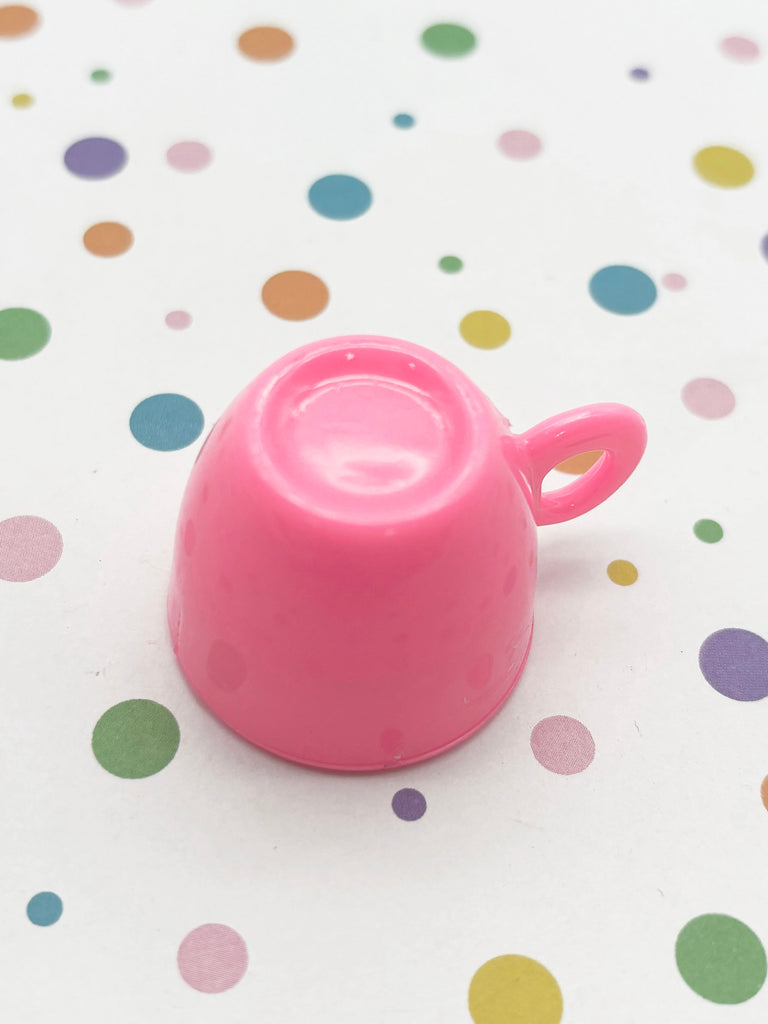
(132, 3)
(189, 156)
(95, 158)
(409, 804)
(740, 49)
(764, 246)
(764, 792)
(265, 43)
(578, 464)
(23, 332)
(22, 100)
(29, 548)
(723, 166)
(721, 959)
(562, 745)
(514, 989)
(101, 75)
(448, 40)
(622, 572)
(135, 739)
(108, 239)
(44, 909)
(640, 74)
(295, 295)
(708, 530)
(674, 282)
(340, 197)
(178, 319)
(485, 329)
(519, 144)
(17, 20)
(623, 290)
(403, 121)
(450, 264)
(708, 398)
(167, 422)
(212, 958)
(735, 663)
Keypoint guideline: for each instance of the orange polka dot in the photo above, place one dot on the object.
(295, 295)
(265, 43)
(16, 20)
(764, 792)
(108, 239)
(578, 464)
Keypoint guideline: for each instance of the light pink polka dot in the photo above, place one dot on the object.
(708, 398)
(675, 282)
(212, 958)
(132, 3)
(178, 319)
(739, 48)
(562, 745)
(519, 144)
(189, 156)
(29, 548)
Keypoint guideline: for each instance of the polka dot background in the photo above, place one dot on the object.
(539, 202)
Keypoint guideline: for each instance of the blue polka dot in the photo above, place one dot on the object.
(409, 804)
(340, 197)
(44, 908)
(166, 422)
(623, 290)
(403, 121)
(640, 74)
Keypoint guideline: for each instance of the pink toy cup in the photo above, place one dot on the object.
(355, 557)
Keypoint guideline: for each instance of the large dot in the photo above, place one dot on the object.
(135, 739)
(448, 40)
(720, 958)
(108, 238)
(295, 295)
(340, 197)
(212, 958)
(708, 530)
(578, 464)
(166, 422)
(562, 745)
(514, 989)
(265, 42)
(22, 100)
(740, 48)
(178, 319)
(44, 909)
(23, 332)
(101, 75)
(622, 572)
(409, 804)
(519, 144)
(723, 166)
(640, 74)
(623, 290)
(29, 548)
(403, 121)
(450, 264)
(95, 158)
(485, 329)
(189, 156)
(735, 663)
(17, 20)
(708, 398)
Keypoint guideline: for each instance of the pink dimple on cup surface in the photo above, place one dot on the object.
(212, 958)
(708, 398)
(520, 144)
(189, 156)
(29, 548)
(562, 745)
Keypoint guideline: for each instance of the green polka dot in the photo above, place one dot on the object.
(23, 332)
(721, 959)
(135, 739)
(450, 264)
(101, 75)
(708, 530)
(448, 40)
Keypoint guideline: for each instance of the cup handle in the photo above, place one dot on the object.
(616, 430)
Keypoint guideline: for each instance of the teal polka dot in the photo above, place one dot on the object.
(623, 290)
(340, 197)
(44, 909)
(166, 422)
(403, 121)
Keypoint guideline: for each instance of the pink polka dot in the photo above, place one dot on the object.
(739, 48)
(562, 745)
(708, 398)
(212, 958)
(189, 156)
(675, 282)
(29, 548)
(178, 319)
(519, 144)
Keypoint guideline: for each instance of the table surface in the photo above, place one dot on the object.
(596, 169)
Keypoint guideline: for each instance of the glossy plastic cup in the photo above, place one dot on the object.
(355, 558)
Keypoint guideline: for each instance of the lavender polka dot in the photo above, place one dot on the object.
(764, 246)
(189, 156)
(409, 804)
(735, 663)
(29, 548)
(708, 398)
(640, 74)
(562, 745)
(95, 158)
(519, 144)
(212, 958)
(178, 319)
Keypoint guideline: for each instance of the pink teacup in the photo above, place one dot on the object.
(355, 558)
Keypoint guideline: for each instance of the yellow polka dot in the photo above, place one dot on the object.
(514, 990)
(723, 166)
(22, 99)
(485, 329)
(622, 572)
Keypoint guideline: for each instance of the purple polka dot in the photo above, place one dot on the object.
(95, 158)
(409, 804)
(708, 398)
(519, 144)
(764, 246)
(640, 74)
(189, 156)
(178, 319)
(735, 663)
